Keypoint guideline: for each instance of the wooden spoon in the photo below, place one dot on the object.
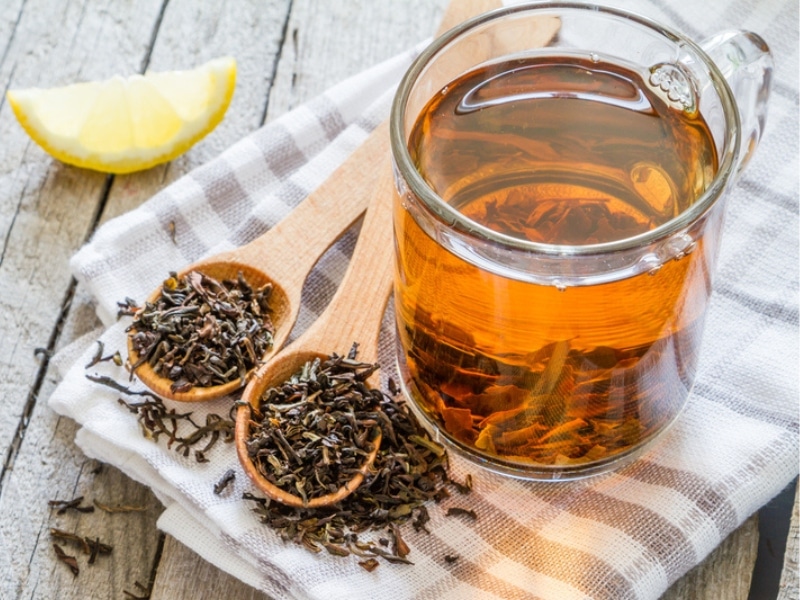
(353, 315)
(286, 254)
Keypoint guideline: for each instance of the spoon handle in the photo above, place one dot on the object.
(292, 247)
(356, 311)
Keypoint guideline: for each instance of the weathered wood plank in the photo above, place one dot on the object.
(54, 468)
(726, 572)
(330, 41)
(183, 574)
(46, 208)
(790, 579)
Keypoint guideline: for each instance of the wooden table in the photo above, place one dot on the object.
(287, 52)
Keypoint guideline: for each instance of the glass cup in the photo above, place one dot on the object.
(561, 170)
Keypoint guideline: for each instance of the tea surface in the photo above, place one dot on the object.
(560, 151)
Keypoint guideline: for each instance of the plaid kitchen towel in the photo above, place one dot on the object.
(627, 535)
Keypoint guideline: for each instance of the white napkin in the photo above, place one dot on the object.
(626, 535)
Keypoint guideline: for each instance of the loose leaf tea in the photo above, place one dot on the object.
(74, 504)
(145, 592)
(203, 332)
(312, 433)
(127, 308)
(90, 546)
(464, 512)
(226, 479)
(409, 470)
(66, 536)
(463, 488)
(119, 508)
(97, 547)
(369, 565)
(98, 357)
(156, 420)
(68, 560)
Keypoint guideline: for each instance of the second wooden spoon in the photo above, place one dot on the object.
(354, 315)
(284, 256)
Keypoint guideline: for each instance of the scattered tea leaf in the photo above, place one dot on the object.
(224, 481)
(127, 308)
(399, 547)
(120, 508)
(455, 511)
(111, 383)
(336, 549)
(463, 488)
(74, 504)
(68, 560)
(66, 536)
(369, 565)
(420, 522)
(145, 592)
(98, 357)
(155, 420)
(95, 547)
(172, 231)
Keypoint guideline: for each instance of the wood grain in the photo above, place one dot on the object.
(287, 51)
(46, 208)
(181, 569)
(46, 212)
(63, 202)
(725, 573)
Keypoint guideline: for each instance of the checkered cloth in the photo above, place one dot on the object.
(622, 536)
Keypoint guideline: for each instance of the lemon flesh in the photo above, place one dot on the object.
(127, 124)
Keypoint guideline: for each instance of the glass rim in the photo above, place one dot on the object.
(448, 214)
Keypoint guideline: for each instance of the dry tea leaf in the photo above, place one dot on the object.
(68, 560)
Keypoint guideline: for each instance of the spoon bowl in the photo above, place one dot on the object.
(280, 370)
(353, 315)
(280, 303)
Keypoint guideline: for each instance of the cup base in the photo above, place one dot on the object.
(530, 471)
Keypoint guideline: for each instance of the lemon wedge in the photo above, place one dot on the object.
(127, 124)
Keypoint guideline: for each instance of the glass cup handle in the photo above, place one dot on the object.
(746, 63)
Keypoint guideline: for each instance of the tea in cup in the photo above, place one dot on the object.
(557, 222)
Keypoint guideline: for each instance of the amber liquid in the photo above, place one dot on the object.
(561, 151)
